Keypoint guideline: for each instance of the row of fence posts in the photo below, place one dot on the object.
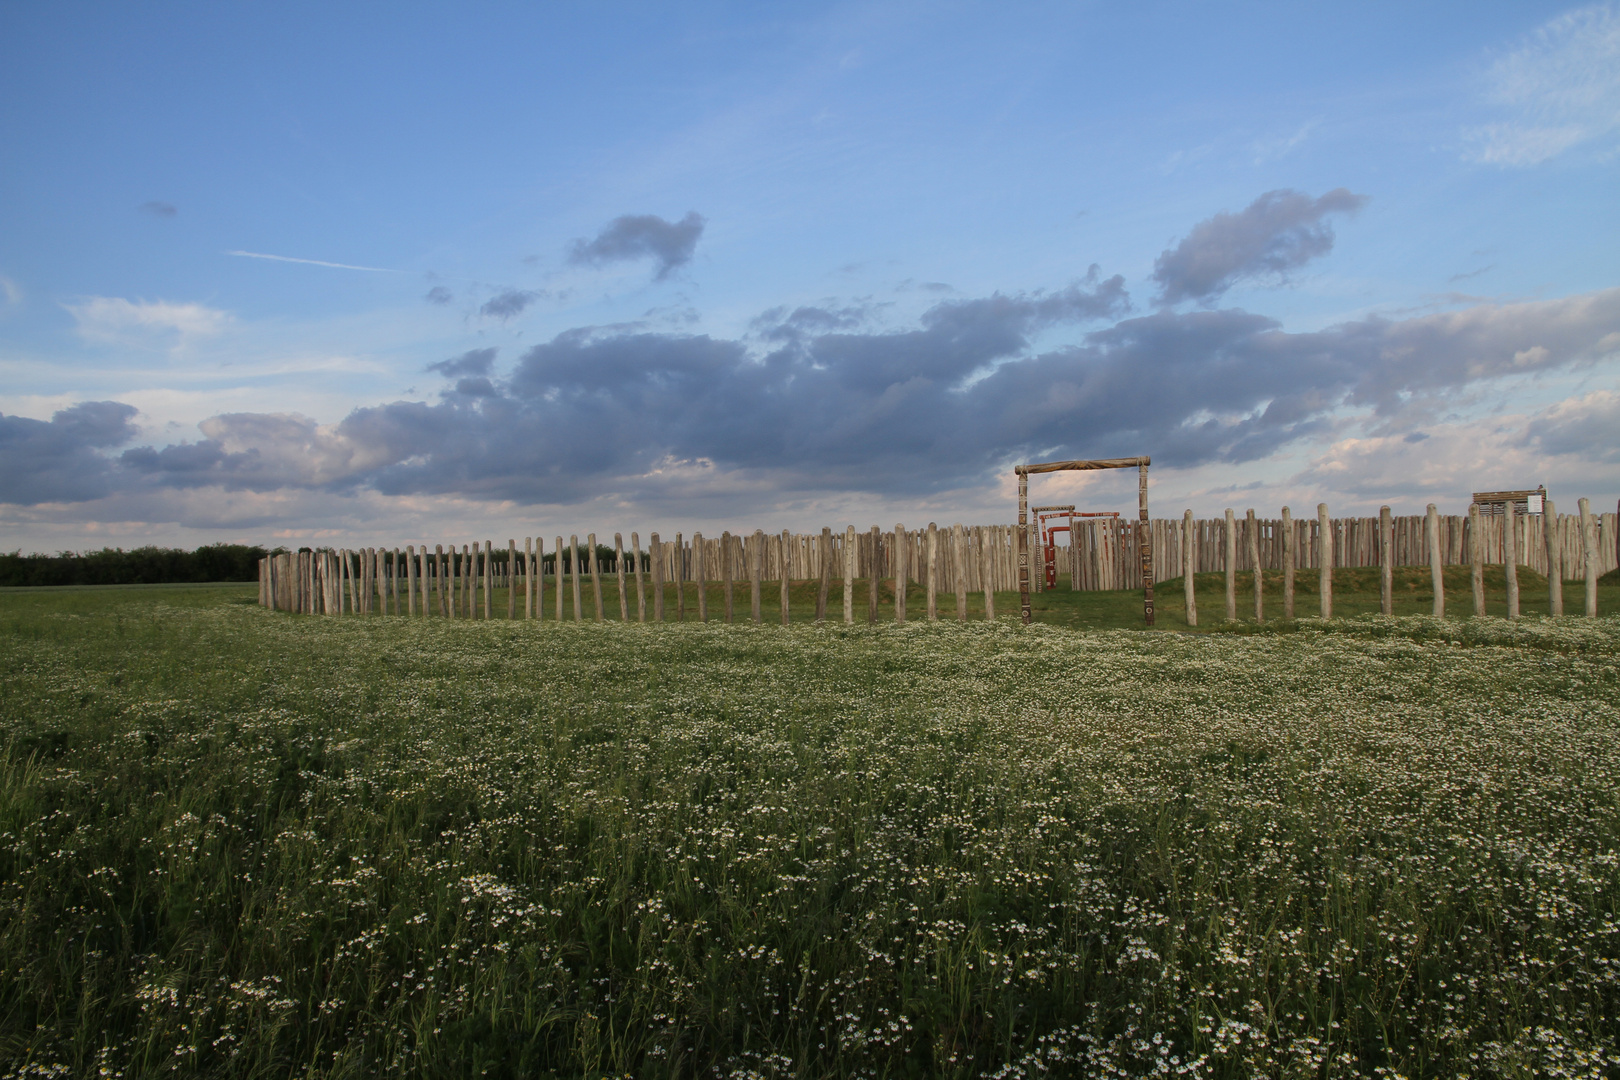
(1384, 546)
(450, 584)
(956, 559)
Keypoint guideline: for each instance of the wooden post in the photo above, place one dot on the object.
(595, 563)
(557, 564)
(849, 575)
(1231, 567)
(1324, 546)
(655, 555)
(1555, 558)
(1289, 558)
(618, 572)
(1144, 548)
(538, 569)
(826, 574)
(1189, 566)
(1253, 527)
(1386, 562)
(901, 544)
(489, 574)
(1476, 552)
(756, 574)
(787, 577)
(987, 569)
(511, 578)
(931, 573)
(393, 579)
(873, 576)
(700, 573)
(1510, 556)
(959, 566)
(1437, 560)
(1023, 544)
(410, 578)
(1589, 546)
(635, 564)
(726, 575)
(528, 578)
(573, 575)
(680, 579)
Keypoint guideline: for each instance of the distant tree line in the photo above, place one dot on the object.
(140, 566)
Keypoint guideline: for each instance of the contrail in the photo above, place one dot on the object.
(313, 262)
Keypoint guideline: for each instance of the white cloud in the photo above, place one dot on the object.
(1560, 89)
(112, 318)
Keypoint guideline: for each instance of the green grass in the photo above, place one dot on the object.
(241, 843)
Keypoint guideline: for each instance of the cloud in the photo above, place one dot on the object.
(1584, 426)
(1278, 232)
(111, 318)
(475, 362)
(890, 413)
(158, 209)
(1559, 89)
(438, 295)
(669, 244)
(56, 460)
(509, 304)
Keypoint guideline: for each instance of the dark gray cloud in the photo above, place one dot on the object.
(669, 244)
(836, 404)
(439, 295)
(511, 303)
(1278, 232)
(475, 362)
(159, 209)
(56, 460)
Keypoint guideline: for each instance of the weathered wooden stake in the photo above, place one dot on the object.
(1324, 547)
(756, 574)
(931, 555)
(1289, 558)
(680, 579)
(1231, 566)
(1144, 548)
(595, 563)
(849, 575)
(726, 575)
(557, 562)
(1510, 556)
(700, 568)
(540, 578)
(489, 574)
(901, 547)
(987, 569)
(1476, 553)
(655, 554)
(618, 570)
(574, 575)
(410, 578)
(1437, 561)
(873, 576)
(1555, 558)
(635, 563)
(826, 574)
(1023, 544)
(1589, 544)
(787, 578)
(511, 578)
(959, 565)
(1253, 527)
(1386, 562)
(1189, 566)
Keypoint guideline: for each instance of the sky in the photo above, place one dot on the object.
(373, 274)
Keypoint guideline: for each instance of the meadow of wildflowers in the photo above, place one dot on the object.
(241, 843)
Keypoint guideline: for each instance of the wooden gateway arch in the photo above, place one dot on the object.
(1144, 535)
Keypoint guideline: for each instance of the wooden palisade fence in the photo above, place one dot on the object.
(461, 582)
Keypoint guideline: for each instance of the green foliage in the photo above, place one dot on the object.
(241, 843)
(140, 566)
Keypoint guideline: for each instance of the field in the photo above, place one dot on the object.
(241, 843)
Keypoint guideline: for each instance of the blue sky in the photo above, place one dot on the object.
(704, 266)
